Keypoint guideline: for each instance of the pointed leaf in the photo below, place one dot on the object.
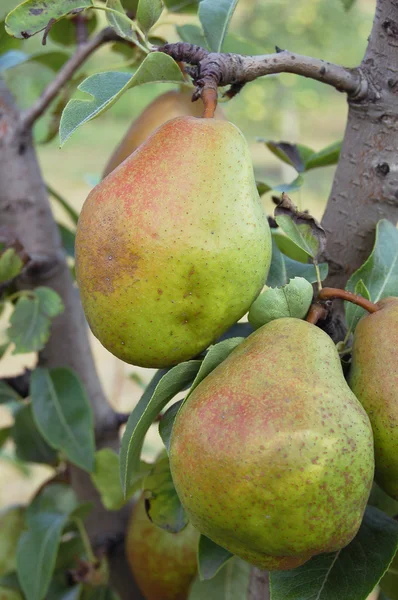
(64, 32)
(50, 302)
(5, 433)
(300, 227)
(37, 552)
(192, 34)
(167, 422)
(379, 273)
(294, 155)
(7, 394)
(143, 415)
(291, 300)
(68, 238)
(215, 355)
(106, 479)
(293, 186)
(389, 583)
(324, 158)
(263, 188)
(70, 211)
(230, 583)
(10, 265)
(162, 503)
(352, 573)
(11, 59)
(63, 414)
(182, 5)
(283, 269)
(148, 13)
(54, 498)
(215, 18)
(288, 247)
(106, 88)
(211, 558)
(33, 16)
(119, 21)
(29, 442)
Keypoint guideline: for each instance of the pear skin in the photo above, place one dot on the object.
(272, 454)
(163, 564)
(176, 103)
(173, 246)
(374, 380)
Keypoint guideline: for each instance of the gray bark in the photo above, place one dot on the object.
(365, 187)
(25, 211)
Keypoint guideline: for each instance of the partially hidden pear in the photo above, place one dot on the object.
(172, 104)
(174, 245)
(374, 380)
(163, 564)
(272, 454)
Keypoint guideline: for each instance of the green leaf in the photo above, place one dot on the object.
(230, 583)
(389, 583)
(64, 32)
(379, 273)
(70, 211)
(68, 238)
(293, 186)
(145, 412)
(148, 13)
(292, 300)
(61, 590)
(12, 523)
(51, 60)
(352, 573)
(188, 6)
(7, 6)
(215, 18)
(192, 34)
(37, 552)
(30, 445)
(162, 504)
(294, 155)
(289, 248)
(54, 498)
(30, 322)
(33, 16)
(300, 227)
(10, 59)
(106, 479)
(167, 422)
(283, 269)
(324, 158)
(214, 356)
(106, 88)
(7, 394)
(119, 21)
(263, 188)
(211, 558)
(239, 45)
(63, 414)
(10, 265)
(382, 501)
(5, 433)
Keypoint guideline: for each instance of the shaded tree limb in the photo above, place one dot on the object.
(218, 69)
(65, 74)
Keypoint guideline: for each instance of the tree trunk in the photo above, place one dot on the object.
(365, 188)
(26, 212)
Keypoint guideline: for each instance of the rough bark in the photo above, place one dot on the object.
(365, 187)
(25, 210)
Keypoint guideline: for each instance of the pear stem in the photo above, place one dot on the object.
(210, 98)
(316, 312)
(335, 293)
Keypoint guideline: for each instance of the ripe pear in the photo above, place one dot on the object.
(374, 380)
(163, 564)
(176, 103)
(272, 454)
(174, 245)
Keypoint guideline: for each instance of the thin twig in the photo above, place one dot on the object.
(316, 313)
(30, 116)
(335, 293)
(218, 69)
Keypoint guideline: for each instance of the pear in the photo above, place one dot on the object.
(163, 564)
(176, 103)
(174, 245)
(272, 454)
(374, 380)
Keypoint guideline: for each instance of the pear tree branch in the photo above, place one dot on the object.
(65, 74)
(211, 70)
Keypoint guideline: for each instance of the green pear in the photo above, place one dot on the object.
(374, 380)
(173, 246)
(163, 564)
(272, 454)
